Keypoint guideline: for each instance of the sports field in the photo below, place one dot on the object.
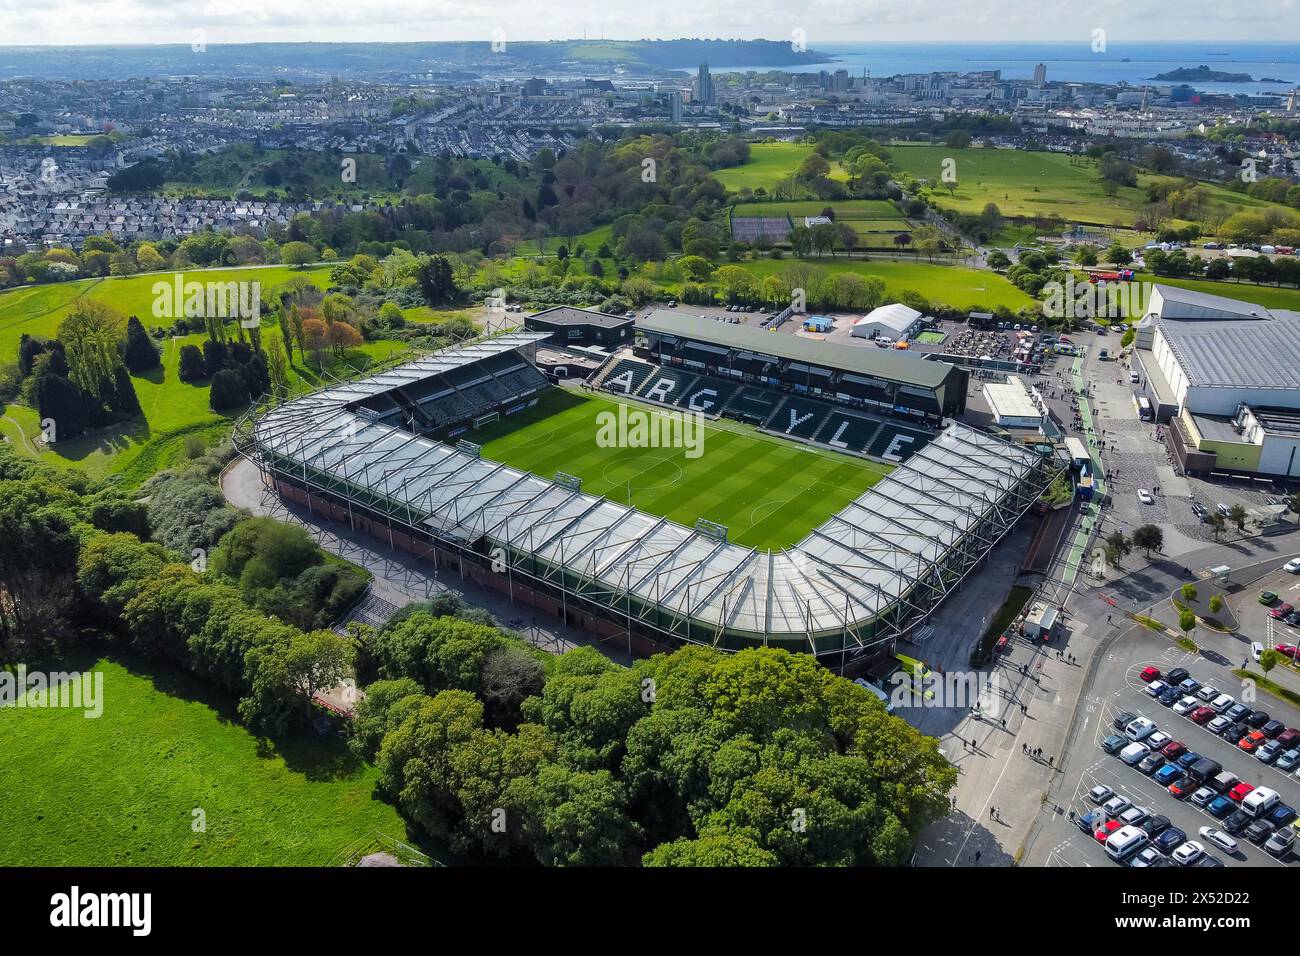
(769, 163)
(122, 789)
(768, 492)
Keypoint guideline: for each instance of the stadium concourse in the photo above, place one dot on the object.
(376, 454)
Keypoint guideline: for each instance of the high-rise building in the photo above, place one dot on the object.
(1040, 74)
(704, 86)
(675, 98)
(841, 81)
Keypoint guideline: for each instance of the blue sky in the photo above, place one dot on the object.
(42, 22)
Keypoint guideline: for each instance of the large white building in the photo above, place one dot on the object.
(893, 321)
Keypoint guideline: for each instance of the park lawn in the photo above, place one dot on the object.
(1022, 183)
(768, 492)
(844, 208)
(769, 163)
(38, 310)
(122, 789)
(957, 286)
(592, 239)
(172, 411)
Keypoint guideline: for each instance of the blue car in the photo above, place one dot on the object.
(1281, 815)
(1187, 760)
(1170, 840)
(1088, 822)
(1219, 807)
(1114, 743)
(1169, 696)
(1167, 774)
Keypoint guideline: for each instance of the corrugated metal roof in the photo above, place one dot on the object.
(843, 356)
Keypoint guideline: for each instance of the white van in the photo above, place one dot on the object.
(1124, 842)
(1140, 729)
(1260, 801)
(1133, 754)
(876, 691)
(1257, 651)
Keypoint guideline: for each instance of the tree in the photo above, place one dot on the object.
(140, 354)
(1216, 603)
(997, 259)
(1237, 515)
(91, 335)
(315, 339)
(1117, 548)
(1188, 592)
(1118, 254)
(1268, 660)
(297, 254)
(314, 662)
(190, 366)
(1186, 623)
(229, 391)
(1149, 538)
(1217, 524)
(437, 281)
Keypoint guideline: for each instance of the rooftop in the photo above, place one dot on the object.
(569, 315)
(863, 360)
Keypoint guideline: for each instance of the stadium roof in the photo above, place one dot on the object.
(864, 360)
(1172, 302)
(886, 548)
(569, 315)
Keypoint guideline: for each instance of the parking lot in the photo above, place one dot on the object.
(1091, 766)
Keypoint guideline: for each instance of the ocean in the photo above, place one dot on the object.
(1131, 63)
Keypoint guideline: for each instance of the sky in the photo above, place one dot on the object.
(115, 22)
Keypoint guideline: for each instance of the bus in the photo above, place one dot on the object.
(1078, 454)
(1143, 408)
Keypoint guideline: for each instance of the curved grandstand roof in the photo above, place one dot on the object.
(961, 491)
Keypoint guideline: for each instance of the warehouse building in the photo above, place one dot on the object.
(1225, 375)
(894, 321)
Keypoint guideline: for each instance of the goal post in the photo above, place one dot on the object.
(487, 419)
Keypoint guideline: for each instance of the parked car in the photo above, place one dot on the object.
(1207, 693)
(1088, 822)
(1189, 686)
(1140, 729)
(1292, 566)
(1106, 830)
(1123, 720)
(1281, 611)
(1144, 496)
(1171, 838)
(1167, 774)
(1100, 793)
(1149, 674)
(1115, 806)
(1222, 704)
(1258, 831)
(1273, 729)
(1207, 861)
(1133, 754)
(1236, 731)
(1147, 856)
(1134, 816)
(1241, 791)
(1188, 853)
(1188, 759)
(1265, 597)
(1150, 764)
(1218, 725)
(1220, 839)
(1237, 712)
(1289, 738)
(1280, 842)
(1219, 807)
(1202, 715)
(1114, 743)
(1183, 787)
(1156, 825)
(1177, 675)
(1155, 688)
(1204, 796)
(1268, 752)
(1174, 749)
(1158, 740)
(1186, 705)
(1251, 742)
(1236, 821)
(1288, 760)
(1258, 718)
(1282, 815)
(1169, 695)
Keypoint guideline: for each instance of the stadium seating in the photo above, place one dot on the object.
(799, 416)
(753, 404)
(707, 394)
(847, 431)
(897, 443)
(665, 384)
(626, 376)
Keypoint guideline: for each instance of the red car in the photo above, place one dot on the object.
(1181, 788)
(1240, 792)
(1149, 674)
(1252, 741)
(1104, 832)
(1282, 610)
(1286, 650)
(1288, 738)
(1174, 749)
(1202, 715)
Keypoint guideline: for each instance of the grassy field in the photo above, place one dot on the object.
(768, 492)
(121, 790)
(1024, 183)
(952, 285)
(769, 163)
(172, 409)
(844, 209)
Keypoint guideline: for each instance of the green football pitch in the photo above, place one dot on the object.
(768, 492)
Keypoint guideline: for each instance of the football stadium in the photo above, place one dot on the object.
(797, 514)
